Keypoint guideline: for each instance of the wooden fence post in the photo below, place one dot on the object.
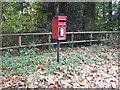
(72, 39)
(49, 40)
(91, 37)
(106, 36)
(20, 41)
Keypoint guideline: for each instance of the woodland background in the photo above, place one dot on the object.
(37, 16)
(22, 17)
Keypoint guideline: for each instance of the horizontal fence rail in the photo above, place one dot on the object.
(26, 34)
(49, 38)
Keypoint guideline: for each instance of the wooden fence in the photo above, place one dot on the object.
(49, 38)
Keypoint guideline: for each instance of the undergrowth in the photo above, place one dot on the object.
(29, 60)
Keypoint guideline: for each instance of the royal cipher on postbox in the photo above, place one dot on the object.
(59, 27)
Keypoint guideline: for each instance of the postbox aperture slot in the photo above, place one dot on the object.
(62, 20)
(61, 25)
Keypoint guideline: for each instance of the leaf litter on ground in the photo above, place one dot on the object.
(86, 67)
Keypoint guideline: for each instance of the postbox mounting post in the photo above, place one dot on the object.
(58, 50)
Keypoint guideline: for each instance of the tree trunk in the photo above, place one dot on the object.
(103, 11)
(89, 15)
(1, 10)
(1, 16)
(119, 16)
(62, 7)
(104, 16)
(51, 8)
(110, 15)
(57, 5)
(110, 11)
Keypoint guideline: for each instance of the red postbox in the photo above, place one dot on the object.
(59, 27)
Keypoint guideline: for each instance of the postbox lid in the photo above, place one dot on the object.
(60, 17)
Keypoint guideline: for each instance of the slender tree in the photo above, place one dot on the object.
(57, 6)
(110, 11)
(62, 7)
(110, 15)
(119, 16)
(89, 15)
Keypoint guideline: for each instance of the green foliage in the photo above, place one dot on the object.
(20, 17)
(35, 17)
(102, 22)
(23, 63)
(113, 40)
(27, 61)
